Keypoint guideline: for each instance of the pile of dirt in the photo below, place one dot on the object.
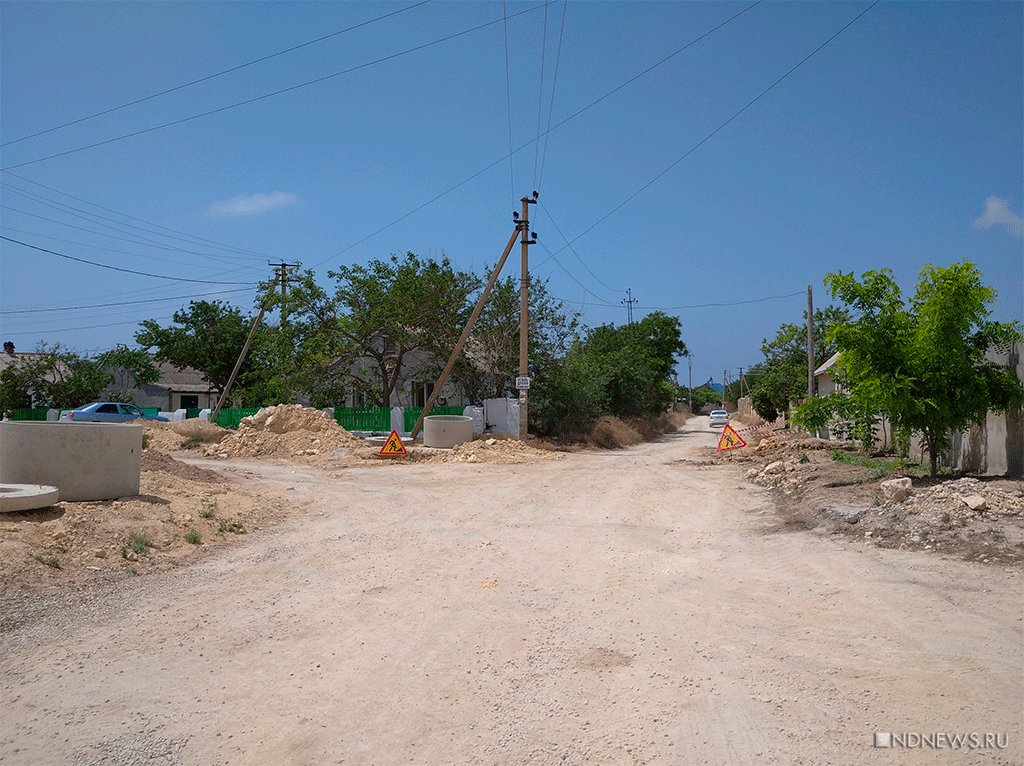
(499, 452)
(171, 437)
(179, 512)
(285, 431)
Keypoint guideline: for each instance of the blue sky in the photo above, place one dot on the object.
(897, 144)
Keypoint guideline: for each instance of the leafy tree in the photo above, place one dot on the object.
(387, 310)
(623, 371)
(53, 376)
(130, 368)
(923, 365)
(701, 396)
(782, 377)
(208, 337)
(490, 362)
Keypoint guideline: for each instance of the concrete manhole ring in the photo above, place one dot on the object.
(26, 497)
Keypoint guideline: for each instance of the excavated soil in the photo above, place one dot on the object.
(285, 431)
(814, 490)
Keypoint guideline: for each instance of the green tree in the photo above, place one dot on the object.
(208, 336)
(53, 376)
(130, 368)
(923, 364)
(782, 377)
(623, 371)
(490, 363)
(385, 311)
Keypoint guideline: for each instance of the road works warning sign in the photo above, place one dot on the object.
(393, 447)
(730, 439)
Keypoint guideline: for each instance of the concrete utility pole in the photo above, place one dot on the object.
(689, 379)
(810, 343)
(524, 314)
(725, 376)
(282, 277)
(521, 225)
(629, 300)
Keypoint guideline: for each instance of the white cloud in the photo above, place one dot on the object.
(252, 204)
(998, 213)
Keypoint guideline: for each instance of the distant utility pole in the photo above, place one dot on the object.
(810, 343)
(629, 300)
(689, 379)
(282, 277)
(725, 378)
(741, 382)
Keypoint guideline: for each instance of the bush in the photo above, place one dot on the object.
(610, 432)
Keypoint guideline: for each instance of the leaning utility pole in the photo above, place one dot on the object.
(245, 350)
(523, 383)
(810, 343)
(521, 225)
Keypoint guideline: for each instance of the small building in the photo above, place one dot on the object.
(175, 390)
(824, 377)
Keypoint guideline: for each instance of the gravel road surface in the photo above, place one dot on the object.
(617, 607)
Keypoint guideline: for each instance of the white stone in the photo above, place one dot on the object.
(895, 490)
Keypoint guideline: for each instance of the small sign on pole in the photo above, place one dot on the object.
(393, 447)
(522, 383)
(730, 440)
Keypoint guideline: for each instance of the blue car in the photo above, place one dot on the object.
(107, 412)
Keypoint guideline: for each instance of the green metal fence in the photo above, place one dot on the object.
(191, 412)
(37, 413)
(153, 411)
(363, 418)
(412, 414)
(230, 417)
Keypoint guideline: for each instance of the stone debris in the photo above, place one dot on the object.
(962, 499)
(285, 430)
(895, 490)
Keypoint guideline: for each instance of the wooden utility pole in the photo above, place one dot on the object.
(725, 375)
(810, 343)
(443, 377)
(241, 357)
(524, 315)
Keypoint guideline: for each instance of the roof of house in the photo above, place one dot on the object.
(187, 379)
(828, 365)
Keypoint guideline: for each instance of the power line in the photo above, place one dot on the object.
(551, 256)
(689, 306)
(508, 101)
(214, 75)
(125, 303)
(717, 130)
(554, 86)
(86, 327)
(540, 95)
(138, 241)
(95, 247)
(207, 242)
(278, 92)
(573, 249)
(555, 127)
(114, 224)
(118, 268)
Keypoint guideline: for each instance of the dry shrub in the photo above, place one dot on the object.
(610, 432)
(653, 426)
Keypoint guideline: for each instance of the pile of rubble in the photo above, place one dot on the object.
(498, 451)
(954, 501)
(168, 437)
(779, 474)
(285, 430)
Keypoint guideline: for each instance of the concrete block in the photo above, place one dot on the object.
(85, 461)
(895, 490)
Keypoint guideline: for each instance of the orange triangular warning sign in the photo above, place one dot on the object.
(730, 439)
(393, 447)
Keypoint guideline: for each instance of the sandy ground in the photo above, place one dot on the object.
(606, 608)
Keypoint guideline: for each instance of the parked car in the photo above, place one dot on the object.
(718, 418)
(108, 412)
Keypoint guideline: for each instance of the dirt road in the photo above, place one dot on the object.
(607, 608)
